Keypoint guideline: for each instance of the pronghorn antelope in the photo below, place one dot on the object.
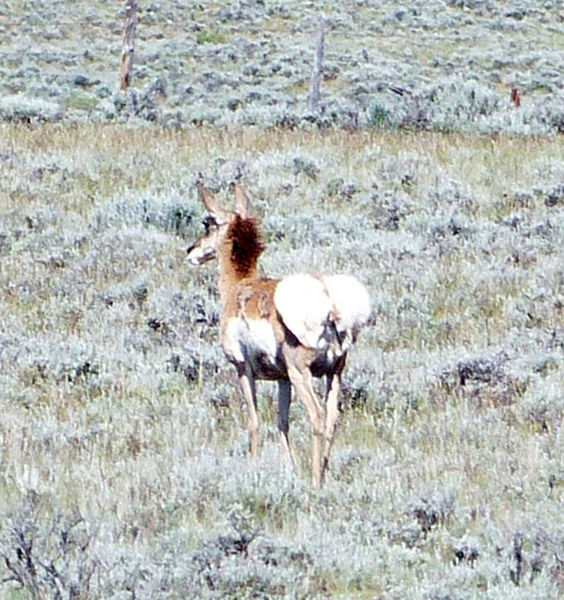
(287, 330)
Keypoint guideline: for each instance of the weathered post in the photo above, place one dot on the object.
(128, 48)
(515, 97)
(315, 92)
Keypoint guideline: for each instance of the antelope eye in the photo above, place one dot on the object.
(208, 223)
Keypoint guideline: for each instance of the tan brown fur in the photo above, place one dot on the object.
(255, 298)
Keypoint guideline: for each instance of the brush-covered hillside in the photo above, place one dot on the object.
(124, 464)
(439, 64)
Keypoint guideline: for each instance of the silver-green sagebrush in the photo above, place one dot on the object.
(124, 466)
(123, 443)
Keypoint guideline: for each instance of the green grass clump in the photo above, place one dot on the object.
(210, 37)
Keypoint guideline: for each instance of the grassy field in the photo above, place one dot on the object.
(124, 471)
(123, 449)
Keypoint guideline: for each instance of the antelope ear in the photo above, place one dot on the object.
(211, 204)
(241, 201)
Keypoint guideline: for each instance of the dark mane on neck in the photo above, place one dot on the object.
(246, 245)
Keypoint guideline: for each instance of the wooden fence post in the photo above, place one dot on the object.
(315, 92)
(128, 47)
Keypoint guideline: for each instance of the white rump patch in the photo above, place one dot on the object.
(304, 305)
(312, 308)
(351, 302)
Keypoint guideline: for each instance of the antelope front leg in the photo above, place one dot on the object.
(247, 384)
(284, 399)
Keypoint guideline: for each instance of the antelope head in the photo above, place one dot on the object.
(216, 224)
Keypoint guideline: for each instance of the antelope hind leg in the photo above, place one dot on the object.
(302, 382)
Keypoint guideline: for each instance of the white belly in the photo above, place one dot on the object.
(245, 340)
